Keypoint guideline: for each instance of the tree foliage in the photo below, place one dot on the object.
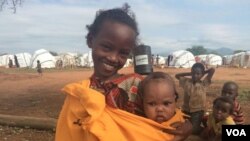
(197, 50)
(238, 51)
(11, 4)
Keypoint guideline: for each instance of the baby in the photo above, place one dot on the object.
(159, 97)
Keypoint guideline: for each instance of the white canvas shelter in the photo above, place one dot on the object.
(241, 59)
(211, 59)
(182, 59)
(227, 59)
(162, 60)
(46, 59)
(68, 59)
(4, 60)
(128, 63)
(87, 60)
(23, 59)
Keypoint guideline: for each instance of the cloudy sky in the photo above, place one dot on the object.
(165, 25)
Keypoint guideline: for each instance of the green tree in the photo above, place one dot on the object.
(197, 50)
(238, 51)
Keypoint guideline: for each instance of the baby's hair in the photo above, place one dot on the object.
(225, 100)
(155, 76)
(230, 83)
(122, 15)
(198, 65)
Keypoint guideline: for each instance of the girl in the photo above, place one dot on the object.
(112, 36)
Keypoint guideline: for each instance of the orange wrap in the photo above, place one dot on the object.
(85, 117)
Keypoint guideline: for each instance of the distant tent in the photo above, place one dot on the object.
(4, 60)
(87, 60)
(128, 63)
(68, 59)
(227, 59)
(210, 59)
(23, 59)
(182, 59)
(241, 59)
(45, 57)
(162, 60)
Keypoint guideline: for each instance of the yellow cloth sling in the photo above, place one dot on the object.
(85, 117)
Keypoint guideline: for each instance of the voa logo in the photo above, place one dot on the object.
(236, 132)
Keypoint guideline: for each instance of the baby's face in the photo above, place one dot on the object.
(221, 110)
(159, 101)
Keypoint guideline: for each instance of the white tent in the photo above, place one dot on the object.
(128, 63)
(68, 59)
(241, 59)
(23, 59)
(162, 60)
(211, 59)
(227, 59)
(182, 59)
(46, 59)
(4, 60)
(87, 60)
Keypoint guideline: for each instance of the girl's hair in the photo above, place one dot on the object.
(199, 65)
(122, 15)
(225, 100)
(155, 76)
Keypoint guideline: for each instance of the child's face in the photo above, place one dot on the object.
(196, 74)
(221, 110)
(159, 101)
(230, 90)
(111, 48)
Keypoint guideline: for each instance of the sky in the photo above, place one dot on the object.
(165, 25)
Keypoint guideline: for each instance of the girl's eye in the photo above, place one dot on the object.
(106, 48)
(124, 53)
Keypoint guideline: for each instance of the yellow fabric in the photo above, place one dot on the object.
(217, 127)
(85, 117)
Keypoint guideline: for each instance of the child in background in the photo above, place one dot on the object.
(230, 89)
(39, 68)
(222, 109)
(195, 93)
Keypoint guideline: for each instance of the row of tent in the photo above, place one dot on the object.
(178, 59)
(185, 59)
(47, 60)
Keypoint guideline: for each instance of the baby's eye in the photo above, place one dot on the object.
(166, 103)
(151, 103)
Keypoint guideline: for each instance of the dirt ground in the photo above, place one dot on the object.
(25, 93)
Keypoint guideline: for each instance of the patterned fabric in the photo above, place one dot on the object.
(217, 127)
(120, 92)
(194, 94)
(237, 115)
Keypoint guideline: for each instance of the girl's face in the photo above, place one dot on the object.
(159, 100)
(230, 91)
(111, 48)
(221, 110)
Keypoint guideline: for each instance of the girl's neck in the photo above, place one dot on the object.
(103, 79)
